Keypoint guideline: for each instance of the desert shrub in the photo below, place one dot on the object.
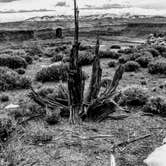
(109, 54)
(134, 56)
(28, 109)
(23, 54)
(156, 105)
(154, 52)
(160, 48)
(6, 128)
(144, 60)
(53, 118)
(20, 71)
(12, 62)
(4, 98)
(84, 47)
(163, 54)
(53, 73)
(131, 66)
(157, 67)
(85, 58)
(115, 47)
(34, 50)
(57, 58)
(128, 57)
(133, 96)
(124, 58)
(127, 51)
(10, 80)
(112, 63)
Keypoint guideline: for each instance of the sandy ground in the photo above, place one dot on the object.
(66, 150)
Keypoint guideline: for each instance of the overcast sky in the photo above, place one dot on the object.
(17, 5)
(17, 10)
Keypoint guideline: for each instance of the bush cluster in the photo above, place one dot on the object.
(53, 73)
(10, 80)
(156, 105)
(132, 66)
(57, 58)
(13, 62)
(112, 63)
(85, 58)
(144, 60)
(109, 54)
(133, 96)
(157, 67)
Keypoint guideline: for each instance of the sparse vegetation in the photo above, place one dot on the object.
(154, 52)
(109, 54)
(53, 73)
(57, 58)
(144, 60)
(132, 66)
(157, 67)
(32, 140)
(156, 105)
(4, 98)
(134, 95)
(85, 58)
(115, 46)
(112, 63)
(10, 80)
(13, 62)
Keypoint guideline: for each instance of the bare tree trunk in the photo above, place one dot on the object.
(75, 80)
(94, 86)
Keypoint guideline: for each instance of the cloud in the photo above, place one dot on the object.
(17, 5)
(61, 4)
(6, 1)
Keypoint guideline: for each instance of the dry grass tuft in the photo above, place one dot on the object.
(10, 80)
(131, 66)
(133, 96)
(156, 105)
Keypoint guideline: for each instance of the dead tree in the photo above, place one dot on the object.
(75, 79)
(95, 105)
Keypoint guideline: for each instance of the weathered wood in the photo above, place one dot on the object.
(95, 82)
(109, 91)
(75, 77)
(102, 106)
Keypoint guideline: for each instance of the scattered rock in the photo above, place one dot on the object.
(12, 106)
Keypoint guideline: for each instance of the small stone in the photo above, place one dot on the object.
(12, 106)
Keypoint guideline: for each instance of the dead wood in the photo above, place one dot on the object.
(119, 117)
(125, 143)
(100, 108)
(75, 76)
(95, 82)
(94, 106)
(109, 91)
